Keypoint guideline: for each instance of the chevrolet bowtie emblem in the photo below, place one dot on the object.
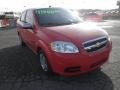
(97, 44)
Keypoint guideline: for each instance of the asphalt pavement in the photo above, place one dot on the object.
(19, 68)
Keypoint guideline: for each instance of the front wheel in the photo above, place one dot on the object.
(44, 62)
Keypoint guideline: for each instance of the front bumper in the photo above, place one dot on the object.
(75, 64)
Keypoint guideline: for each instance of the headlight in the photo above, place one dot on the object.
(108, 37)
(64, 47)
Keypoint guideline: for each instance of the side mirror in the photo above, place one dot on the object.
(27, 26)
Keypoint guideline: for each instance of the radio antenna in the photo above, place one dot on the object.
(49, 4)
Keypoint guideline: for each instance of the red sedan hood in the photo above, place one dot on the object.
(75, 32)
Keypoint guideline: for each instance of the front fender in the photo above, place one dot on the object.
(44, 47)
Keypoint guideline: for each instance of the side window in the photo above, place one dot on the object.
(22, 18)
(29, 17)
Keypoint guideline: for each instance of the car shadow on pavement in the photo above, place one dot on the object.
(20, 69)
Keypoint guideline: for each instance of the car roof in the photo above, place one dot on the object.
(44, 8)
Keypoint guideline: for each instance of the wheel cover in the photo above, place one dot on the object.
(43, 62)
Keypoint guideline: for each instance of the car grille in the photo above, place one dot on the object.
(95, 44)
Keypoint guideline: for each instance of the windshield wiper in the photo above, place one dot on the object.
(46, 24)
(57, 24)
(51, 24)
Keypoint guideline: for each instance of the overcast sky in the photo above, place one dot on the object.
(19, 5)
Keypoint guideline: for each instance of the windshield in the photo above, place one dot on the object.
(56, 17)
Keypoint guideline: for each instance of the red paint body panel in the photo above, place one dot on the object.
(41, 37)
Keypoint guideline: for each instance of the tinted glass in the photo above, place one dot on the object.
(23, 16)
(56, 17)
(29, 17)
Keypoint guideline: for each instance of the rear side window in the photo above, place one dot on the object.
(23, 16)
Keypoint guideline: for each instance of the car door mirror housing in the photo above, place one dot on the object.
(27, 26)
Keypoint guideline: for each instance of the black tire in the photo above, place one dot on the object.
(44, 64)
(21, 42)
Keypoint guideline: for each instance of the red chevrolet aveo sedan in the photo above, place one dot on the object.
(63, 43)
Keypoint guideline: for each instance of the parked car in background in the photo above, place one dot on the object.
(5, 19)
(9, 15)
(4, 22)
(92, 17)
(63, 43)
(2, 16)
